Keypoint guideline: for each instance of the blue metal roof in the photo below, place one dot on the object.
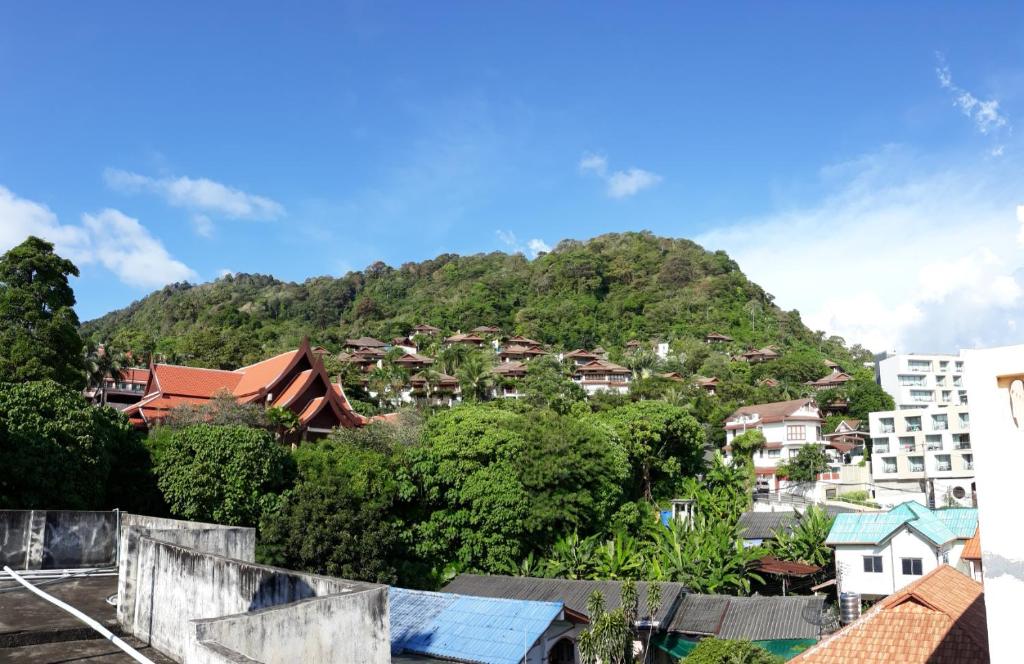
(467, 629)
(938, 526)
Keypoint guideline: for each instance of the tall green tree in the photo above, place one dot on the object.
(726, 651)
(706, 554)
(805, 542)
(809, 461)
(38, 326)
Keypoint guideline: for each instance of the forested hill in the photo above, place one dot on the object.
(602, 291)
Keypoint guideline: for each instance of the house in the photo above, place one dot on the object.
(413, 362)
(939, 618)
(602, 376)
(924, 454)
(579, 356)
(294, 380)
(877, 553)
(508, 375)
(405, 343)
(365, 359)
(439, 390)
(426, 330)
(849, 435)
(674, 376)
(486, 329)
(524, 341)
(832, 381)
(756, 528)
(716, 338)
(515, 352)
(465, 628)
(467, 339)
(768, 382)
(972, 554)
(364, 342)
(127, 389)
(707, 384)
(787, 427)
(756, 355)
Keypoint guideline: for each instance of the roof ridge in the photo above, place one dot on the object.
(274, 357)
(185, 366)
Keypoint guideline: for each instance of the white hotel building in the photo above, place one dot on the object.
(787, 427)
(922, 450)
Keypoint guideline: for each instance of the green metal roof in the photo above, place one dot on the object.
(937, 526)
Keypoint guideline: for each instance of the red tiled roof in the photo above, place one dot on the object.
(295, 388)
(771, 412)
(193, 381)
(716, 335)
(834, 378)
(414, 358)
(263, 374)
(523, 341)
(509, 368)
(602, 366)
(486, 329)
(464, 339)
(972, 549)
(938, 619)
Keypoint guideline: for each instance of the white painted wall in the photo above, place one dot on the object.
(905, 544)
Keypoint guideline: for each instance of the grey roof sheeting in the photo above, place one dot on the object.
(762, 525)
(573, 594)
(750, 618)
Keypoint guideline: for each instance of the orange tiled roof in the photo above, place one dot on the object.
(972, 549)
(771, 412)
(193, 381)
(938, 619)
(262, 374)
(295, 388)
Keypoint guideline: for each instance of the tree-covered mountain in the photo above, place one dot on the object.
(602, 291)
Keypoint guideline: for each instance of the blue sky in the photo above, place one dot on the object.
(861, 164)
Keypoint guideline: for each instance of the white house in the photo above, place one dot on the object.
(787, 427)
(878, 553)
(602, 376)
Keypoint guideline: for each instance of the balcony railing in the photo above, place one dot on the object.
(968, 465)
(888, 428)
(943, 467)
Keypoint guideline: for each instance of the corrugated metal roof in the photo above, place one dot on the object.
(763, 525)
(467, 629)
(938, 526)
(573, 594)
(764, 618)
(699, 614)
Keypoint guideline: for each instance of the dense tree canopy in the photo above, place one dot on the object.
(38, 326)
(724, 651)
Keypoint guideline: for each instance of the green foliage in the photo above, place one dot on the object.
(222, 410)
(724, 494)
(857, 498)
(745, 444)
(38, 326)
(809, 461)
(546, 385)
(806, 542)
(223, 474)
(609, 638)
(866, 396)
(494, 483)
(343, 517)
(60, 452)
(725, 651)
(706, 554)
(664, 443)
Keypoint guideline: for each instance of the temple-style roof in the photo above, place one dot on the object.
(465, 339)
(523, 341)
(602, 367)
(364, 342)
(425, 329)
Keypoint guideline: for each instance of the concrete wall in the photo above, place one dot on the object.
(175, 591)
(228, 541)
(350, 627)
(57, 539)
(905, 544)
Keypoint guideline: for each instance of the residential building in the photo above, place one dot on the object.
(833, 380)
(756, 528)
(939, 618)
(878, 553)
(524, 341)
(580, 356)
(923, 454)
(919, 381)
(365, 359)
(437, 390)
(413, 362)
(467, 339)
(602, 376)
(850, 436)
(426, 330)
(716, 338)
(294, 380)
(515, 352)
(508, 375)
(364, 342)
(127, 389)
(709, 385)
(486, 330)
(756, 355)
(405, 343)
(972, 555)
(464, 628)
(995, 382)
(787, 426)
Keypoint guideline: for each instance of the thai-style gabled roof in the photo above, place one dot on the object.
(602, 367)
(364, 342)
(414, 359)
(523, 341)
(707, 382)
(464, 339)
(715, 336)
(938, 619)
(441, 380)
(834, 379)
(768, 382)
(581, 354)
(426, 329)
(486, 329)
(771, 412)
(673, 375)
(511, 369)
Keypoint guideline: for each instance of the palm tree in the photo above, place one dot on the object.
(102, 363)
(618, 558)
(571, 558)
(475, 377)
(641, 362)
(451, 357)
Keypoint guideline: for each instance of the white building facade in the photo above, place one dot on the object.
(920, 381)
(787, 427)
(922, 454)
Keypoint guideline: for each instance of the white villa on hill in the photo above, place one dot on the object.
(787, 426)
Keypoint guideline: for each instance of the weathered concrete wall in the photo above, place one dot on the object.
(174, 585)
(228, 541)
(352, 627)
(56, 539)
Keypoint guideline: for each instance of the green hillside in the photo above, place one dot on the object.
(602, 291)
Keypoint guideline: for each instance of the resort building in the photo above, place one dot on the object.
(602, 376)
(295, 380)
(787, 427)
(922, 454)
(920, 381)
(126, 389)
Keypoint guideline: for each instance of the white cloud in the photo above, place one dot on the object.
(898, 256)
(618, 184)
(126, 248)
(531, 249)
(115, 241)
(202, 224)
(197, 194)
(984, 113)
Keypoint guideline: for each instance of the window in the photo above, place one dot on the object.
(943, 365)
(889, 465)
(910, 380)
(919, 365)
(873, 564)
(774, 454)
(911, 566)
(965, 420)
(962, 441)
(886, 424)
(793, 453)
(914, 423)
(942, 463)
(796, 432)
(959, 367)
(958, 381)
(916, 464)
(963, 397)
(880, 445)
(940, 422)
(933, 441)
(968, 462)
(921, 395)
(940, 381)
(947, 396)
(906, 443)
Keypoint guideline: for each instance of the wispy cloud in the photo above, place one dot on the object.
(984, 113)
(899, 255)
(200, 195)
(618, 184)
(532, 248)
(109, 238)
